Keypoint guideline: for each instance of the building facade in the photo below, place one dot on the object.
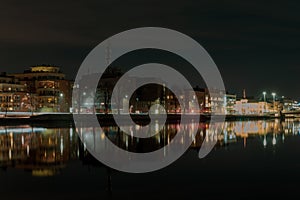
(47, 87)
(13, 95)
(252, 107)
(229, 101)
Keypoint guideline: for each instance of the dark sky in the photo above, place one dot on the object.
(255, 44)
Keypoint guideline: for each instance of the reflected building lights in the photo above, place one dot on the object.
(41, 148)
(274, 140)
(9, 154)
(27, 150)
(265, 141)
(61, 145)
(50, 148)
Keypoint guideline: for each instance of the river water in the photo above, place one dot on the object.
(251, 159)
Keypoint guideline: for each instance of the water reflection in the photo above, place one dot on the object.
(47, 151)
(270, 132)
(42, 151)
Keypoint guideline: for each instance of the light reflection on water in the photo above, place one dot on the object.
(47, 151)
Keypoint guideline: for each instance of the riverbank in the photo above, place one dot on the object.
(108, 119)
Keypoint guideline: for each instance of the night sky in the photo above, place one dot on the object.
(255, 44)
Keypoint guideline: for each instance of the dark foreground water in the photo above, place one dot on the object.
(252, 159)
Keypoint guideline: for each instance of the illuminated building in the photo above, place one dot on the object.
(13, 96)
(214, 101)
(199, 95)
(149, 95)
(247, 106)
(86, 101)
(290, 105)
(229, 102)
(47, 88)
(206, 102)
(251, 107)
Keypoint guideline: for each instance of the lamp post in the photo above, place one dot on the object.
(274, 95)
(61, 102)
(83, 100)
(264, 93)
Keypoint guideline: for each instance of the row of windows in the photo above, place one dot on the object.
(48, 100)
(11, 90)
(43, 78)
(49, 93)
(5, 99)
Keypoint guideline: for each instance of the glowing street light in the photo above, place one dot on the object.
(274, 95)
(61, 95)
(264, 93)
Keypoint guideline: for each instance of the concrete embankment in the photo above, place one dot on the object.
(108, 119)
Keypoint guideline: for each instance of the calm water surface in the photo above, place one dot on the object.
(252, 159)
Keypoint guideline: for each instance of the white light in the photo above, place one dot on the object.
(274, 140)
(27, 149)
(9, 154)
(71, 133)
(61, 146)
(22, 130)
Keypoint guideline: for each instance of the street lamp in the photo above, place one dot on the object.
(273, 94)
(264, 93)
(61, 102)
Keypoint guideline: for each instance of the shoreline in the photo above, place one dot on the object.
(108, 119)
